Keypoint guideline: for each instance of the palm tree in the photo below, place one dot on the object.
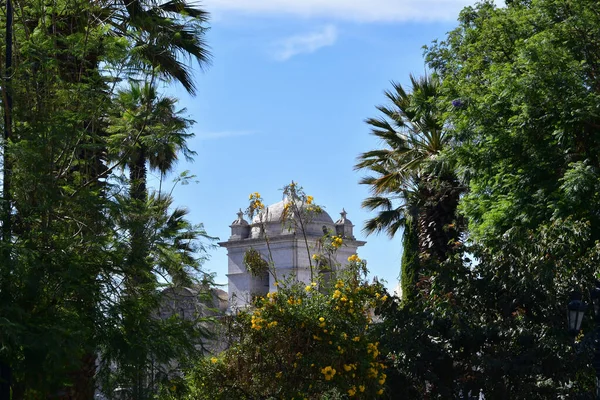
(161, 36)
(147, 132)
(412, 186)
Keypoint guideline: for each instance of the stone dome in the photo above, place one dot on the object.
(272, 218)
(275, 211)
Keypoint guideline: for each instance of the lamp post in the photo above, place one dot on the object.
(575, 312)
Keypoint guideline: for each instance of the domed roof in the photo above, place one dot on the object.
(275, 211)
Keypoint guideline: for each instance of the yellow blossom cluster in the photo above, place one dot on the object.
(256, 201)
(328, 372)
(292, 301)
(349, 367)
(336, 242)
(309, 199)
(257, 322)
(310, 287)
(354, 258)
(272, 295)
(372, 348)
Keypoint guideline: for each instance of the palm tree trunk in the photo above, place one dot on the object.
(139, 196)
(409, 268)
(138, 258)
(437, 221)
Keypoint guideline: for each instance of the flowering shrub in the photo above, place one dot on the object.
(306, 340)
(300, 343)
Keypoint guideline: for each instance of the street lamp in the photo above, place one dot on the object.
(576, 309)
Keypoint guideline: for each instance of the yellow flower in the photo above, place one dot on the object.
(272, 324)
(322, 319)
(382, 379)
(278, 374)
(309, 199)
(328, 372)
(313, 283)
(347, 367)
(339, 284)
(384, 298)
(336, 242)
(308, 288)
(315, 256)
(380, 392)
(214, 360)
(361, 388)
(356, 339)
(352, 391)
(353, 258)
(336, 294)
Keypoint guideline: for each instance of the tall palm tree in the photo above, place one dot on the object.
(161, 35)
(147, 131)
(412, 186)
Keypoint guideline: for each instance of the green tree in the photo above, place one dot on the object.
(528, 130)
(158, 37)
(147, 130)
(524, 88)
(62, 258)
(413, 186)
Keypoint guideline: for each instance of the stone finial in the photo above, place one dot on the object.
(343, 226)
(240, 219)
(239, 228)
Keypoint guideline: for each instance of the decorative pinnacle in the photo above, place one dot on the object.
(343, 214)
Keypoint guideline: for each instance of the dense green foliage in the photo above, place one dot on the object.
(528, 130)
(519, 95)
(520, 90)
(67, 228)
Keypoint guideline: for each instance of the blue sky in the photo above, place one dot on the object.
(286, 96)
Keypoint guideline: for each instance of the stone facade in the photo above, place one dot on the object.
(287, 248)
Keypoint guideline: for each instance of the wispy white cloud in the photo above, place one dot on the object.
(305, 43)
(355, 10)
(222, 134)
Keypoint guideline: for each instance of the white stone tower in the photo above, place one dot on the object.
(288, 249)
